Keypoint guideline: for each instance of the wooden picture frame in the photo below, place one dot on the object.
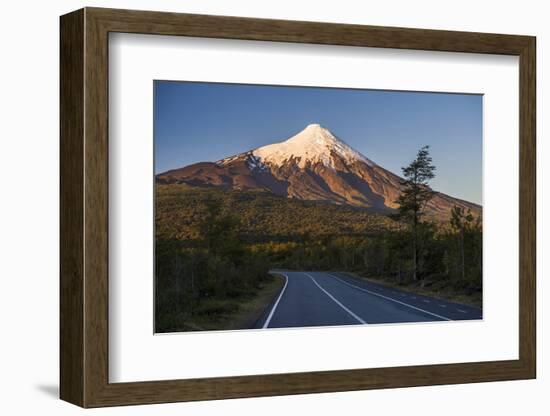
(84, 207)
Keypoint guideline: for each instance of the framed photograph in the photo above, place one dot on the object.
(255, 207)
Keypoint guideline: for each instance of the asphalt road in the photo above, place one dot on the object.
(322, 298)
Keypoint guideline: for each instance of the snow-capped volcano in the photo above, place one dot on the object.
(311, 165)
(314, 144)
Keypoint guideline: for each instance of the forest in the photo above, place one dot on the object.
(215, 247)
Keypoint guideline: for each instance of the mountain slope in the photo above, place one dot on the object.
(263, 217)
(312, 165)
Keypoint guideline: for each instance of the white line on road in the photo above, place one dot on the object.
(388, 298)
(443, 306)
(336, 300)
(462, 310)
(268, 320)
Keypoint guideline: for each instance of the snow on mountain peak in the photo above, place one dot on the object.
(313, 144)
(313, 126)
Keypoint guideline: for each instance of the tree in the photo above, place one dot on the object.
(414, 196)
(461, 222)
(220, 231)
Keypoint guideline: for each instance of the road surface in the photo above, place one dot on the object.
(322, 298)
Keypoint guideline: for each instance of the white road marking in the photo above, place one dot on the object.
(425, 301)
(336, 300)
(391, 299)
(443, 306)
(461, 310)
(268, 320)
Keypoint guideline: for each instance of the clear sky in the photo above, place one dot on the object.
(196, 122)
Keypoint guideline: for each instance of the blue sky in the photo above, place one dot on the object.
(197, 122)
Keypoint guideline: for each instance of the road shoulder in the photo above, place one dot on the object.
(433, 304)
(416, 288)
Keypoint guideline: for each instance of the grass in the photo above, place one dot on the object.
(231, 313)
(438, 289)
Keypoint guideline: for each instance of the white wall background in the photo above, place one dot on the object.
(29, 171)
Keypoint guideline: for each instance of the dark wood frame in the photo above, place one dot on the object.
(84, 208)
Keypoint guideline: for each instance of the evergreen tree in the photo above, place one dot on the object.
(461, 222)
(415, 195)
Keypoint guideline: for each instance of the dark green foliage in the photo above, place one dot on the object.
(416, 192)
(468, 240)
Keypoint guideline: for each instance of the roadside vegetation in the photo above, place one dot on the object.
(214, 248)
